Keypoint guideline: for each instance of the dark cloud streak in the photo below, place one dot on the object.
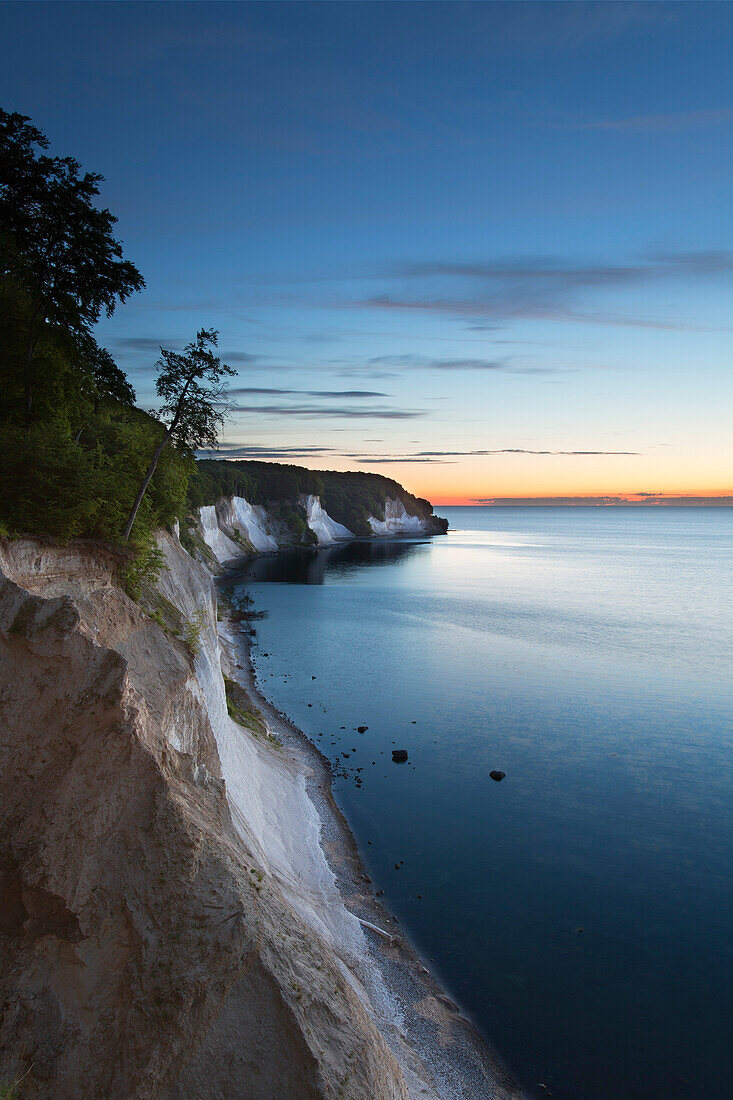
(319, 412)
(243, 391)
(546, 288)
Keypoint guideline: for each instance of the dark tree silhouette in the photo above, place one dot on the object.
(55, 244)
(104, 378)
(194, 393)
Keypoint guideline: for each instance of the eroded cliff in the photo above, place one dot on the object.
(233, 527)
(169, 926)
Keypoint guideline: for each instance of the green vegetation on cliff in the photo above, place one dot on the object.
(77, 457)
(73, 447)
(349, 498)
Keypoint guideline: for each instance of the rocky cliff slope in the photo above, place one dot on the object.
(234, 527)
(169, 926)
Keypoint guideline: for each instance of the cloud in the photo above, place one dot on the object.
(534, 312)
(380, 461)
(545, 288)
(147, 343)
(526, 451)
(439, 364)
(620, 499)
(321, 411)
(552, 270)
(239, 357)
(673, 120)
(237, 450)
(452, 456)
(243, 391)
(449, 365)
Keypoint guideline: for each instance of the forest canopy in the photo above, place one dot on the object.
(349, 498)
(77, 457)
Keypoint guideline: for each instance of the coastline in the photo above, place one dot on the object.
(458, 1058)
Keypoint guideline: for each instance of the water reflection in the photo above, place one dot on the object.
(310, 566)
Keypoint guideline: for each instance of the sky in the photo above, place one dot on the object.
(483, 248)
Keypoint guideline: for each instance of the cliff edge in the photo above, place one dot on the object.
(169, 925)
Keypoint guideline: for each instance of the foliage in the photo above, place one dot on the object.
(191, 632)
(143, 568)
(242, 709)
(53, 483)
(102, 377)
(73, 447)
(77, 459)
(193, 388)
(349, 498)
(57, 249)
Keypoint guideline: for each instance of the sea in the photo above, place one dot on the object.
(580, 910)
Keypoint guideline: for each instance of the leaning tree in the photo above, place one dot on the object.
(193, 388)
(56, 246)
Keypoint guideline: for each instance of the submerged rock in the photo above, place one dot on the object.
(497, 776)
(399, 756)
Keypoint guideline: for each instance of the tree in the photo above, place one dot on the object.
(55, 244)
(193, 391)
(103, 378)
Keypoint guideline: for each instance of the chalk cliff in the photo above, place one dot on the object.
(233, 527)
(169, 925)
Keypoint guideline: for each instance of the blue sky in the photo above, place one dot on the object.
(423, 230)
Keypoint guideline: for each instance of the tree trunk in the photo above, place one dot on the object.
(154, 461)
(146, 481)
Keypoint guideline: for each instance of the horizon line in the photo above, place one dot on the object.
(631, 501)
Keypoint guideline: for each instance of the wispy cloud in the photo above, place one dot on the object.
(243, 391)
(314, 412)
(239, 357)
(671, 120)
(378, 460)
(451, 456)
(606, 501)
(533, 311)
(412, 361)
(439, 364)
(239, 450)
(545, 288)
(527, 451)
(147, 343)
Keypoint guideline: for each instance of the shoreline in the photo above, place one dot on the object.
(445, 1039)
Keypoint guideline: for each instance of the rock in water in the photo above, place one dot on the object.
(362, 729)
(497, 776)
(399, 756)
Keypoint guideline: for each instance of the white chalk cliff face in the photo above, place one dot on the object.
(221, 545)
(169, 925)
(397, 521)
(266, 794)
(319, 521)
(235, 527)
(251, 521)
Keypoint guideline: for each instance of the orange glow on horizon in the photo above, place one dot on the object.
(607, 499)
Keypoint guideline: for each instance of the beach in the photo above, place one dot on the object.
(557, 906)
(423, 1026)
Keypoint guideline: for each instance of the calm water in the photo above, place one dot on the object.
(582, 909)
